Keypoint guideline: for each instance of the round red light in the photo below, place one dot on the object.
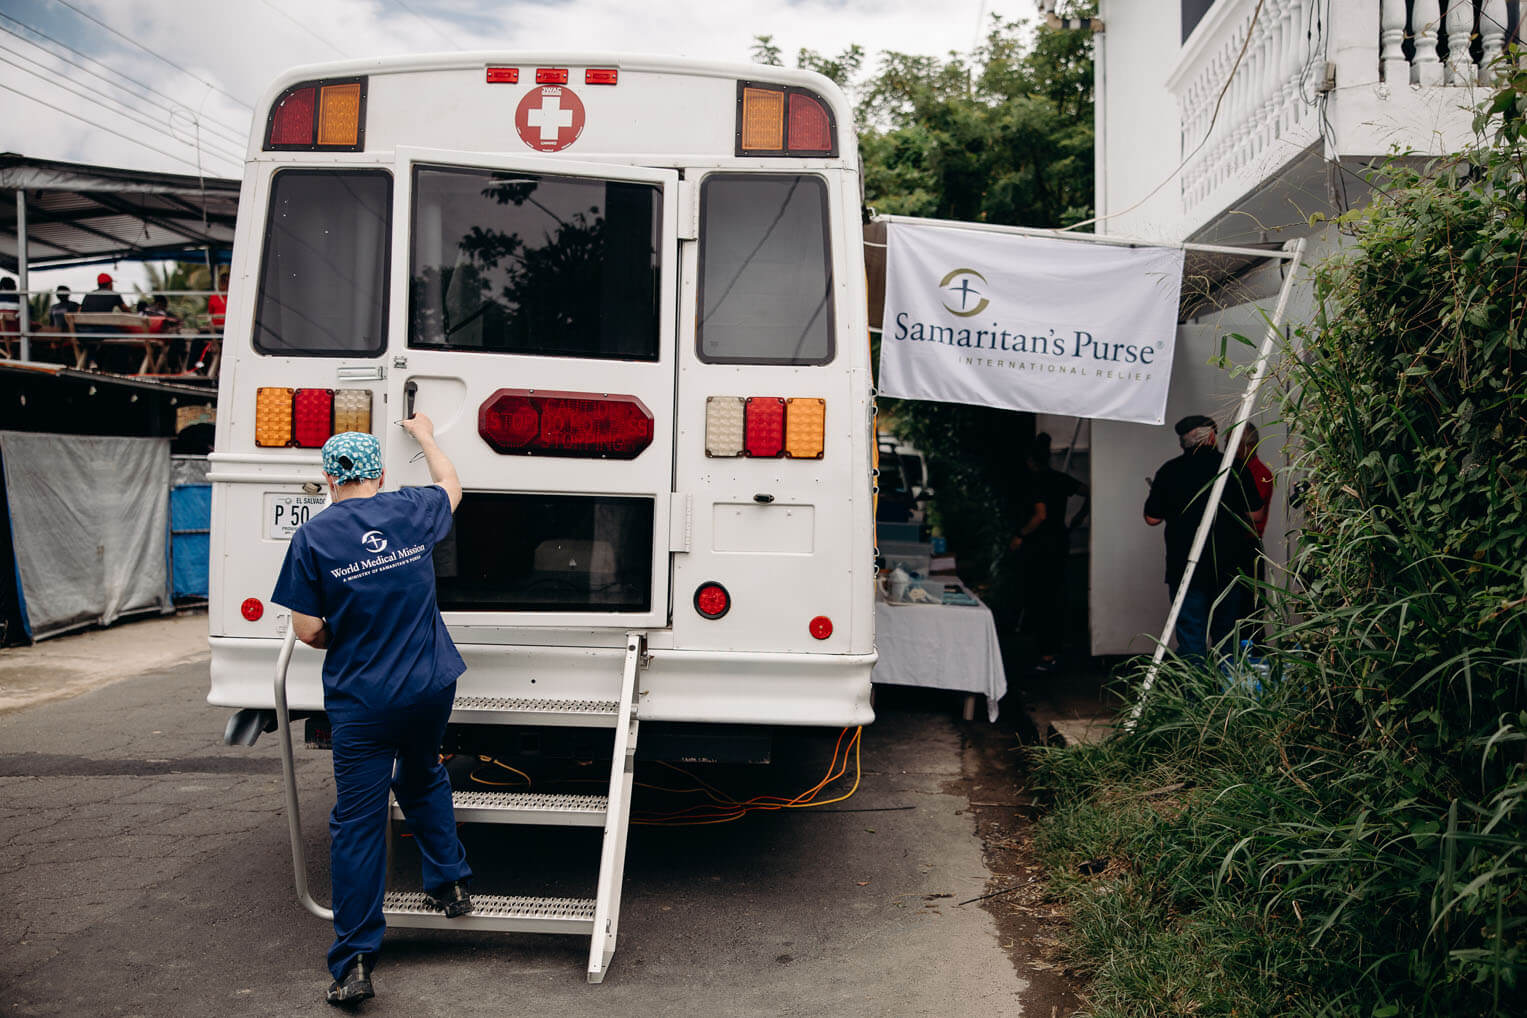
(252, 608)
(821, 627)
(712, 600)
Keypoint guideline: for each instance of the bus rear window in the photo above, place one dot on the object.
(323, 282)
(765, 270)
(518, 552)
(528, 264)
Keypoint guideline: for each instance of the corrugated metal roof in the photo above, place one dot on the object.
(80, 215)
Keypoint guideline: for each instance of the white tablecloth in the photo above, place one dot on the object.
(941, 646)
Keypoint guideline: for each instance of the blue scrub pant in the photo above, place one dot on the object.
(1202, 624)
(368, 748)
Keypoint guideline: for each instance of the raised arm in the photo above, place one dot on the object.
(441, 470)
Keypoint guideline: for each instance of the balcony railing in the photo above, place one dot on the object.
(1290, 56)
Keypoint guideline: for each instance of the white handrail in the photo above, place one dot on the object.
(288, 773)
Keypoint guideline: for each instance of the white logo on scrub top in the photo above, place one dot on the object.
(374, 541)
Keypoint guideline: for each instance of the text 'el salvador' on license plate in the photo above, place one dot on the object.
(285, 513)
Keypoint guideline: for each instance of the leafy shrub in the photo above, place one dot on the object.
(1358, 837)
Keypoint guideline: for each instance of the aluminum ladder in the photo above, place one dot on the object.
(597, 917)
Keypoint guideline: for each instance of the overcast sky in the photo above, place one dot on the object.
(136, 83)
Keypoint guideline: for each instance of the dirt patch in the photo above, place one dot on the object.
(1029, 920)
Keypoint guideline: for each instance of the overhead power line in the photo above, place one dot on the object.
(117, 77)
(164, 60)
(212, 145)
(101, 127)
(307, 32)
(428, 23)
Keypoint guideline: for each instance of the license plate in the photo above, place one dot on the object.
(285, 513)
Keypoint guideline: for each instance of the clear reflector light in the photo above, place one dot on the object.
(723, 425)
(805, 428)
(273, 417)
(352, 410)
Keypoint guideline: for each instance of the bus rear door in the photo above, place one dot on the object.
(537, 333)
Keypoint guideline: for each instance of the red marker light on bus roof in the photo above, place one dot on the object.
(600, 76)
(551, 75)
(810, 128)
(503, 75)
(291, 122)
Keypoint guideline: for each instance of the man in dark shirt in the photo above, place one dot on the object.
(62, 305)
(1044, 543)
(359, 578)
(103, 297)
(1178, 496)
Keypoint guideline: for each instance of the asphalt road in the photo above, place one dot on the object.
(145, 870)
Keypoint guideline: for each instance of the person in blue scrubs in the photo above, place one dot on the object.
(359, 579)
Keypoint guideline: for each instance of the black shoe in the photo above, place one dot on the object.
(353, 987)
(452, 899)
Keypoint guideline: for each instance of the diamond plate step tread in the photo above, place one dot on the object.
(542, 808)
(503, 913)
(518, 711)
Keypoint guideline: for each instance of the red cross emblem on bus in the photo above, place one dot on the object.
(549, 118)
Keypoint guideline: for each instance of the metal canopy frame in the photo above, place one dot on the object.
(1292, 254)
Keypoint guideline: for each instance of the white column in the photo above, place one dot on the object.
(1492, 33)
(1460, 32)
(22, 276)
(1392, 41)
(1425, 23)
(1273, 95)
(1293, 16)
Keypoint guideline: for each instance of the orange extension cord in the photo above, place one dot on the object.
(722, 808)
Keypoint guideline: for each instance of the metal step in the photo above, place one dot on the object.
(494, 912)
(494, 710)
(541, 808)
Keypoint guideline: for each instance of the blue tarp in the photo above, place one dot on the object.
(190, 521)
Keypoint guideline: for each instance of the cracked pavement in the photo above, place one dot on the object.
(145, 871)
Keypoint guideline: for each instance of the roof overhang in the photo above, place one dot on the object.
(81, 215)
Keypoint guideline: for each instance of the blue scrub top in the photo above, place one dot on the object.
(366, 566)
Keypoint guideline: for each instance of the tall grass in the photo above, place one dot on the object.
(1354, 841)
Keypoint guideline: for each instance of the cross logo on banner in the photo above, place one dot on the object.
(549, 118)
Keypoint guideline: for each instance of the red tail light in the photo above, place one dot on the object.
(764, 427)
(810, 127)
(252, 609)
(291, 119)
(524, 422)
(712, 600)
(312, 417)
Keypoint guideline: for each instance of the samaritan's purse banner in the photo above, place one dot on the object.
(1029, 323)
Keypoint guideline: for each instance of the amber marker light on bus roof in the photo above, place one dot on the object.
(551, 75)
(503, 75)
(805, 428)
(339, 114)
(761, 126)
(273, 417)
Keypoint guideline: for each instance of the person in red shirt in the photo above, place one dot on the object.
(1261, 474)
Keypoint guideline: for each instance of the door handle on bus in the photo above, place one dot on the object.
(410, 390)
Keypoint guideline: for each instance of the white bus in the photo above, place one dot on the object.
(630, 293)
